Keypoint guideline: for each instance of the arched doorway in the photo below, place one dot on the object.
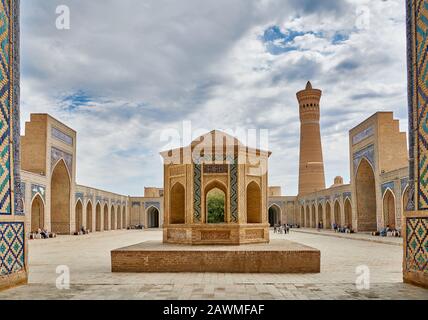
(254, 207)
(274, 215)
(366, 197)
(177, 204)
(313, 217)
(389, 209)
(37, 214)
(348, 213)
(119, 218)
(105, 217)
(320, 214)
(98, 217)
(327, 224)
(89, 225)
(216, 206)
(337, 214)
(152, 217)
(215, 203)
(113, 218)
(308, 218)
(405, 200)
(124, 226)
(79, 215)
(302, 216)
(60, 199)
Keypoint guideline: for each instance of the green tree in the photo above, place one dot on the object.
(216, 206)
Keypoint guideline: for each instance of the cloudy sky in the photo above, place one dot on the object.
(129, 69)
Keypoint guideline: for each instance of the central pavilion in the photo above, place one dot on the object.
(216, 217)
(215, 192)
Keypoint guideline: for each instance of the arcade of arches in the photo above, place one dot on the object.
(377, 193)
(374, 198)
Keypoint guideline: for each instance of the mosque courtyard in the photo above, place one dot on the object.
(88, 260)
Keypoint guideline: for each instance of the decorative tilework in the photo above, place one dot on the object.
(16, 128)
(234, 191)
(11, 247)
(387, 185)
(79, 195)
(417, 244)
(59, 135)
(136, 204)
(197, 185)
(23, 188)
(411, 101)
(216, 168)
(363, 135)
(366, 153)
(57, 154)
(12, 234)
(418, 90)
(278, 203)
(38, 189)
(98, 199)
(347, 195)
(6, 89)
(151, 204)
(404, 183)
(199, 167)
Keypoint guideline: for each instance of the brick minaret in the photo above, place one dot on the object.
(311, 172)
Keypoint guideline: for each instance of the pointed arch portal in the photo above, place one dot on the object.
(60, 199)
(37, 214)
(274, 215)
(89, 226)
(153, 217)
(366, 197)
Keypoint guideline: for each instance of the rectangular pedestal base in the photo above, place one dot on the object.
(279, 256)
(419, 279)
(13, 280)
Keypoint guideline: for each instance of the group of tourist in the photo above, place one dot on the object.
(281, 228)
(337, 228)
(136, 227)
(82, 231)
(342, 229)
(42, 234)
(387, 232)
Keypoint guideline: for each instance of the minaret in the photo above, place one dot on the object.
(311, 171)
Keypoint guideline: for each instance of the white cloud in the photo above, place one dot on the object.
(149, 65)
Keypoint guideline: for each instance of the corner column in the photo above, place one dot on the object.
(415, 220)
(13, 245)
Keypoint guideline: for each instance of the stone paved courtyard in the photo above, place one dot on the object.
(88, 259)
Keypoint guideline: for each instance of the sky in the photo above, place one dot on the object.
(126, 71)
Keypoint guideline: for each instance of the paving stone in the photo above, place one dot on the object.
(91, 277)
